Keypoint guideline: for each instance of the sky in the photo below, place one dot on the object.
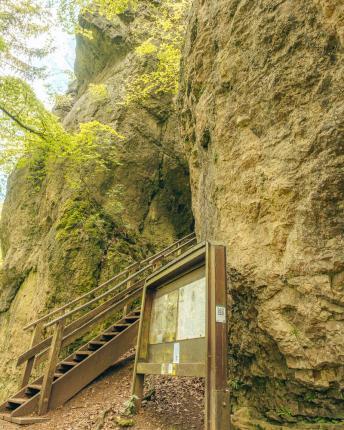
(60, 61)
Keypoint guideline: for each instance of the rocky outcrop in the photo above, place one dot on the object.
(263, 124)
(57, 242)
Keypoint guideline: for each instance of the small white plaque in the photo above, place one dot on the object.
(176, 353)
(164, 368)
(168, 369)
(221, 314)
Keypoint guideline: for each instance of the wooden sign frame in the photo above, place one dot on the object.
(213, 364)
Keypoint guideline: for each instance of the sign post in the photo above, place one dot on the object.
(183, 328)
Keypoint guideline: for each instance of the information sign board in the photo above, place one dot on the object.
(183, 328)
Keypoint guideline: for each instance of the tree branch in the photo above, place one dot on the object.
(21, 124)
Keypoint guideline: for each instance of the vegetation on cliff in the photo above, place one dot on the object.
(33, 136)
(162, 42)
(30, 134)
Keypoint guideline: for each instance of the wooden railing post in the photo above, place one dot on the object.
(157, 264)
(129, 284)
(52, 362)
(36, 337)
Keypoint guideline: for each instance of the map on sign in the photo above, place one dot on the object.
(164, 318)
(191, 311)
(179, 315)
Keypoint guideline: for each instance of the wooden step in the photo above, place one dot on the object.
(99, 343)
(108, 336)
(87, 370)
(19, 400)
(31, 390)
(23, 420)
(81, 355)
(84, 352)
(58, 375)
(120, 327)
(70, 363)
(34, 387)
(132, 318)
(15, 402)
(66, 366)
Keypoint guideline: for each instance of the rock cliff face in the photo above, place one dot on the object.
(263, 124)
(262, 119)
(58, 243)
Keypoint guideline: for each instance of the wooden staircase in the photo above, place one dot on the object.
(64, 377)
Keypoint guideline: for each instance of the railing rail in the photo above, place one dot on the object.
(96, 313)
(96, 299)
(73, 331)
(150, 259)
(82, 318)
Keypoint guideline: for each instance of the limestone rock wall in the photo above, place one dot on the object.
(262, 115)
(57, 244)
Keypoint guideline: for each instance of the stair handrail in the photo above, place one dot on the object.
(64, 334)
(70, 331)
(38, 347)
(114, 278)
(112, 290)
(96, 299)
(193, 235)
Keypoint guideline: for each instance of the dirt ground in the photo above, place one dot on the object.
(174, 404)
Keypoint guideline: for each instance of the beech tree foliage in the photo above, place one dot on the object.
(33, 136)
(30, 134)
(20, 22)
